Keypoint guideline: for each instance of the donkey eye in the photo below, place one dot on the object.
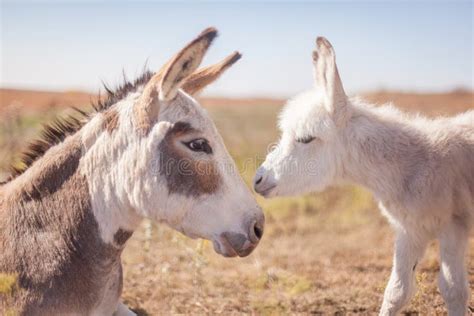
(199, 145)
(305, 140)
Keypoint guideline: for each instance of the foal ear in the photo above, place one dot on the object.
(185, 63)
(205, 76)
(326, 75)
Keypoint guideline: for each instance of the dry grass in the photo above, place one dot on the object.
(8, 284)
(321, 254)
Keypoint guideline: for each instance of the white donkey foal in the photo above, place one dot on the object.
(421, 171)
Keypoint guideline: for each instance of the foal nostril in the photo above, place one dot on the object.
(258, 180)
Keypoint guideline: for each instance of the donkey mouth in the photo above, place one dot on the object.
(225, 251)
(224, 247)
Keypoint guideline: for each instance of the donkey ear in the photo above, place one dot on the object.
(185, 63)
(165, 83)
(195, 83)
(326, 75)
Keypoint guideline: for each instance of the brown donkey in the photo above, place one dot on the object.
(149, 151)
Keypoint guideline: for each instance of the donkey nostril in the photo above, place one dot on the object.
(258, 231)
(259, 180)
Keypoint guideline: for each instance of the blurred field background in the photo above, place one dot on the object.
(327, 253)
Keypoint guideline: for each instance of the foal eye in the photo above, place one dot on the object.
(305, 140)
(199, 145)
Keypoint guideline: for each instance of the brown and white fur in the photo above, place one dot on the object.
(151, 151)
(421, 171)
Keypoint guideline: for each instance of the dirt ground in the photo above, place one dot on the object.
(321, 254)
(297, 269)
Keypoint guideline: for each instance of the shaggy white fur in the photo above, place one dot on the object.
(421, 171)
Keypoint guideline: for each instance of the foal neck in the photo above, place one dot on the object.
(384, 150)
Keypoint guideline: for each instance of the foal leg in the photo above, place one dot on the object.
(453, 282)
(400, 287)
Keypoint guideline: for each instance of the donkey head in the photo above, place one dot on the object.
(309, 152)
(174, 167)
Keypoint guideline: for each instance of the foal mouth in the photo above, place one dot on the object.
(267, 191)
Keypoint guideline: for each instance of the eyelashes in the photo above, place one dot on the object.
(306, 139)
(199, 145)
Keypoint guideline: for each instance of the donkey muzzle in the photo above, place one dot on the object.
(232, 244)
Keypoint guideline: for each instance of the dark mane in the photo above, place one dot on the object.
(55, 132)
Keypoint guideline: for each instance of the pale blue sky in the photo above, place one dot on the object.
(66, 45)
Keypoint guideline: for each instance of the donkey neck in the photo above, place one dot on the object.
(106, 157)
(48, 217)
(49, 173)
(60, 167)
(384, 151)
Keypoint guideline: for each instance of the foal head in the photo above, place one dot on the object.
(308, 155)
(166, 161)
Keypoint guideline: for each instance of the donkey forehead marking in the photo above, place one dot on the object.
(184, 175)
